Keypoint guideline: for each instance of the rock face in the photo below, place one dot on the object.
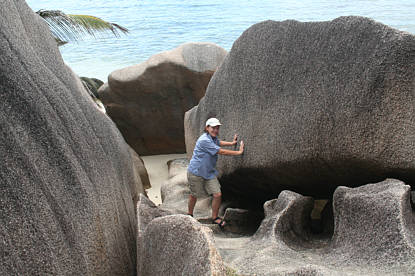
(67, 176)
(148, 101)
(141, 172)
(179, 245)
(139, 164)
(286, 219)
(374, 234)
(174, 244)
(146, 212)
(318, 105)
(375, 224)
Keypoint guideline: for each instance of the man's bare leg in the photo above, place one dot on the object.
(191, 205)
(216, 201)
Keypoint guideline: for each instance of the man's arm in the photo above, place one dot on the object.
(226, 144)
(233, 152)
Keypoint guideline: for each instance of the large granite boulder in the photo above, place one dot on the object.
(179, 245)
(318, 105)
(67, 177)
(148, 101)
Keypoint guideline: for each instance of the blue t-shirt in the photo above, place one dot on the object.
(204, 157)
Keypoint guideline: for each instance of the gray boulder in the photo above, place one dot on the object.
(177, 166)
(67, 176)
(287, 220)
(140, 167)
(179, 245)
(375, 224)
(318, 105)
(148, 101)
(146, 212)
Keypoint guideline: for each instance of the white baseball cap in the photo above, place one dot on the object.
(213, 122)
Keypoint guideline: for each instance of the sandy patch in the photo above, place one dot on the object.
(156, 166)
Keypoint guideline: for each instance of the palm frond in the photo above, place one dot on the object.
(60, 42)
(72, 27)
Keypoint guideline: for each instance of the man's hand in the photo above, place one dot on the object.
(232, 152)
(235, 139)
(241, 147)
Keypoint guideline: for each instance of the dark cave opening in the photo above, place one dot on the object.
(250, 188)
(321, 218)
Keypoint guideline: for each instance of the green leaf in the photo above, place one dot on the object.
(72, 27)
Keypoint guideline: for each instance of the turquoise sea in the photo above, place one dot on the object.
(156, 26)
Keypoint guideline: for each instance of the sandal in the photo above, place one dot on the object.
(221, 222)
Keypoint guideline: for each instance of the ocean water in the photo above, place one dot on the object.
(157, 26)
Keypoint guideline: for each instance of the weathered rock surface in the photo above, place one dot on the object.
(375, 224)
(287, 220)
(146, 212)
(374, 234)
(179, 245)
(148, 101)
(177, 166)
(318, 105)
(67, 176)
(139, 164)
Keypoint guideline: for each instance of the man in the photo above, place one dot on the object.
(202, 174)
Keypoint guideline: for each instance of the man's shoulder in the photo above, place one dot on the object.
(203, 137)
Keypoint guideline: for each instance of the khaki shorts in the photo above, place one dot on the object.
(200, 187)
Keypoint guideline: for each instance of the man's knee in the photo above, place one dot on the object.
(217, 195)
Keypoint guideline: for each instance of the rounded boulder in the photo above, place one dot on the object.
(148, 101)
